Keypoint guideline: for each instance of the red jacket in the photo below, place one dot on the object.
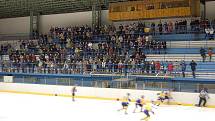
(170, 67)
(157, 65)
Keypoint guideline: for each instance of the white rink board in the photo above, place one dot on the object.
(180, 97)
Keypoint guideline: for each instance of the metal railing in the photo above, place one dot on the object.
(144, 69)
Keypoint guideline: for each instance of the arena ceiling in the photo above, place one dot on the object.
(21, 8)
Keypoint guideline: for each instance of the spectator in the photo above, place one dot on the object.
(203, 54)
(203, 96)
(210, 53)
(211, 33)
(183, 67)
(170, 67)
(207, 32)
(170, 26)
(120, 66)
(157, 66)
(147, 67)
(193, 65)
(176, 27)
(153, 28)
(153, 67)
(160, 28)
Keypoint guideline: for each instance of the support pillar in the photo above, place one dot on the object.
(34, 24)
(96, 14)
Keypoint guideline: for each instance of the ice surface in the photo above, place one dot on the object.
(23, 107)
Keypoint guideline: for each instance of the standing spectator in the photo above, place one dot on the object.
(120, 66)
(170, 67)
(157, 66)
(176, 27)
(109, 66)
(203, 54)
(160, 28)
(210, 53)
(153, 67)
(211, 33)
(207, 32)
(153, 28)
(147, 67)
(193, 68)
(165, 67)
(165, 25)
(183, 67)
(103, 66)
(170, 26)
(203, 96)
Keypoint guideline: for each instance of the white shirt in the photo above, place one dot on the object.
(211, 31)
(207, 31)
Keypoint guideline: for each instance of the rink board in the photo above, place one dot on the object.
(180, 98)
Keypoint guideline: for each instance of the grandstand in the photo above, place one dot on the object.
(132, 46)
(123, 44)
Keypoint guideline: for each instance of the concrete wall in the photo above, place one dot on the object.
(65, 20)
(180, 97)
(210, 8)
(15, 25)
(22, 24)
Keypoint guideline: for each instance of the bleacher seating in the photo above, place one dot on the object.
(83, 50)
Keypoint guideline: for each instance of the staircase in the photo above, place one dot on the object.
(191, 44)
(175, 57)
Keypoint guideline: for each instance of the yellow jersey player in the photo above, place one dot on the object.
(161, 98)
(167, 96)
(139, 103)
(164, 95)
(147, 109)
(125, 103)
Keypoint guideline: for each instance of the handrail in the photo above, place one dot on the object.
(132, 69)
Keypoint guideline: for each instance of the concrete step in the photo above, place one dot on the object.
(176, 57)
(191, 44)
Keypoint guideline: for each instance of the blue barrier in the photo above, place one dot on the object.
(114, 81)
(179, 37)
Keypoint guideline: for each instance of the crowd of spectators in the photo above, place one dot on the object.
(179, 26)
(83, 49)
(78, 49)
(57, 64)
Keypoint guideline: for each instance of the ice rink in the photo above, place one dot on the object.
(23, 107)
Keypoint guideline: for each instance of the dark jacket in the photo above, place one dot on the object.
(193, 65)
